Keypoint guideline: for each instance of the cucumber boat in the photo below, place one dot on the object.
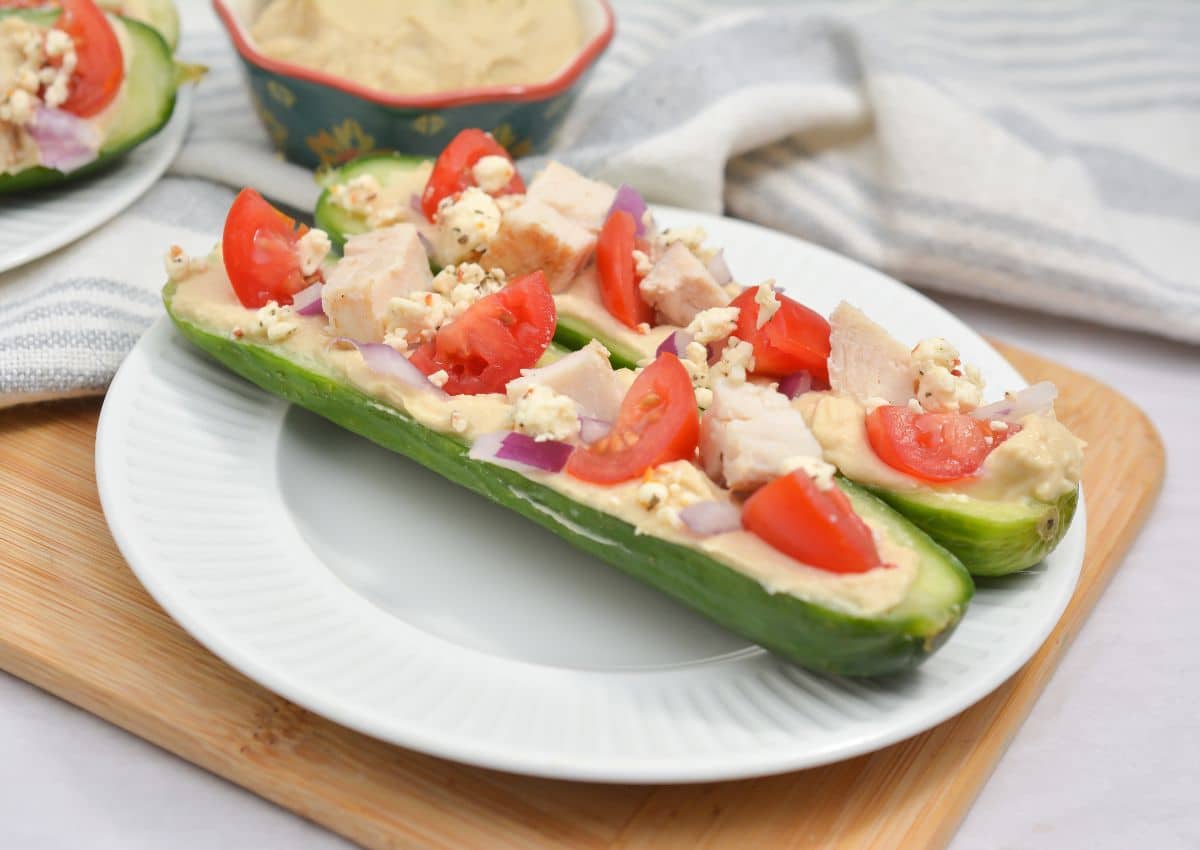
(69, 145)
(875, 595)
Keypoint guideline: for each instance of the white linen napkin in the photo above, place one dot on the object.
(1044, 156)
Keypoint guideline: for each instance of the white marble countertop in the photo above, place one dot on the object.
(1109, 758)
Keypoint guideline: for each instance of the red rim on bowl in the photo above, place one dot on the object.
(438, 100)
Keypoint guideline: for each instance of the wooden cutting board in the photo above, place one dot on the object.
(74, 620)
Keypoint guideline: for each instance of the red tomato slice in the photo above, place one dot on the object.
(817, 527)
(497, 337)
(657, 423)
(259, 250)
(931, 446)
(616, 268)
(452, 170)
(101, 66)
(794, 338)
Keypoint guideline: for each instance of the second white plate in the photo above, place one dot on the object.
(369, 590)
(37, 223)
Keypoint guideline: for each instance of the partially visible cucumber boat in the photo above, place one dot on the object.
(392, 171)
(142, 106)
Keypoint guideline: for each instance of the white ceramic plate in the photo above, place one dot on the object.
(367, 589)
(37, 223)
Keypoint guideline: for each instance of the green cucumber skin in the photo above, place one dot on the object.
(144, 112)
(811, 635)
(571, 332)
(988, 543)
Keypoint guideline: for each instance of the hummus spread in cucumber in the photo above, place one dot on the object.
(809, 566)
(86, 88)
(996, 484)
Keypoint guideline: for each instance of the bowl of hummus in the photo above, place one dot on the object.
(335, 79)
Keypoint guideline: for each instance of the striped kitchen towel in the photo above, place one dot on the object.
(1045, 155)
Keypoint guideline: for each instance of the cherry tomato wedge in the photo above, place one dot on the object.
(931, 446)
(497, 337)
(794, 338)
(452, 170)
(615, 266)
(816, 527)
(657, 423)
(259, 250)
(101, 67)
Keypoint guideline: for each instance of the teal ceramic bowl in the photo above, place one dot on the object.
(319, 120)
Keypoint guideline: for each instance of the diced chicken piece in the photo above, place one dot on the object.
(584, 376)
(377, 266)
(751, 435)
(679, 287)
(865, 361)
(533, 235)
(586, 202)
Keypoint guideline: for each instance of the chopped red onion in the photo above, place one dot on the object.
(65, 142)
(515, 450)
(414, 204)
(797, 383)
(676, 344)
(629, 200)
(307, 302)
(719, 269)
(385, 360)
(592, 429)
(1037, 399)
(426, 244)
(711, 517)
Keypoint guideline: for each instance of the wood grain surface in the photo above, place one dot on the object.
(74, 621)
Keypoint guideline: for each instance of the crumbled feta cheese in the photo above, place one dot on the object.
(397, 339)
(818, 470)
(493, 173)
(439, 378)
(651, 494)
(668, 489)
(693, 239)
(38, 68)
(943, 383)
(312, 249)
(180, 266)
(416, 317)
(544, 414)
(874, 402)
(643, 328)
(737, 360)
(364, 196)
(642, 264)
(767, 301)
(458, 422)
(273, 323)
(713, 324)
(998, 425)
(915, 406)
(467, 223)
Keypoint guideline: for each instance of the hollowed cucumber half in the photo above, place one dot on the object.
(991, 538)
(144, 107)
(810, 634)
